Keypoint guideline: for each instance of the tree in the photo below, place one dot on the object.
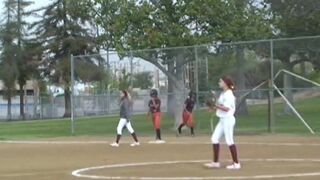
(8, 64)
(64, 30)
(142, 80)
(161, 24)
(24, 68)
(168, 23)
(18, 39)
(30, 69)
(103, 13)
(124, 80)
(234, 21)
(295, 18)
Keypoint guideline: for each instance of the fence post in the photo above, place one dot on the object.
(197, 74)
(271, 120)
(207, 73)
(72, 94)
(131, 71)
(109, 82)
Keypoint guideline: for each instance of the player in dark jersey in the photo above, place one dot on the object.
(187, 113)
(155, 110)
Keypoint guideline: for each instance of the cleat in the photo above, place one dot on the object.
(160, 141)
(178, 133)
(135, 144)
(212, 165)
(157, 142)
(234, 166)
(114, 144)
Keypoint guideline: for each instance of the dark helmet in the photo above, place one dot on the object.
(153, 93)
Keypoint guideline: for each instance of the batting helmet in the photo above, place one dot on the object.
(153, 93)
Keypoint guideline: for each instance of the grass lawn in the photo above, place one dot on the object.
(255, 123)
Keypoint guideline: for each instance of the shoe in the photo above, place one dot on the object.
(212, 165)
(114, 144)
(234, 166)
(158, 141)
(178, 133)
(135, 144)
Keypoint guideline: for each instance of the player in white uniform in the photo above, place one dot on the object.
(225, 109)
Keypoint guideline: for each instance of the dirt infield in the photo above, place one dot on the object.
(263, 157)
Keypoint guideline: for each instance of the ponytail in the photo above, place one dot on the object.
(229, 82)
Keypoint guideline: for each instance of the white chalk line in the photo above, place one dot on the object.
(54, 142)
(20, 174)
(29, 174)
(172, 142)
(80, 172)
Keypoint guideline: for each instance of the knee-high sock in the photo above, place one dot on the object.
(158, 133)
(233, 151)
(216, 151)
(134, 137)
(180, 127)
(118, 138)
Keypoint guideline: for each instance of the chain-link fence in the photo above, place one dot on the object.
(271, 77)
(43, 107)
(276, 83)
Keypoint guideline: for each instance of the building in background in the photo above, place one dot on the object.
(31, 100)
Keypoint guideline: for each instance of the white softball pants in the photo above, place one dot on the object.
(122, 123)
(224, 127)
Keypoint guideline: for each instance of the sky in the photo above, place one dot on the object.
(36, 4)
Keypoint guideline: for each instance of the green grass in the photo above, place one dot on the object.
(255, 123)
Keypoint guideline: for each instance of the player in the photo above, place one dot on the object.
(225, 109)
(187, 113)
(125, 117)
(155, 111)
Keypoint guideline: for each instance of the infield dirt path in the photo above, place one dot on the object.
(56, 158)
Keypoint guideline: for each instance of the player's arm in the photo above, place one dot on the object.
(126, 107)
(222, 107)
(150, 107)
(155, 104)
(185, 106)
(227, 104)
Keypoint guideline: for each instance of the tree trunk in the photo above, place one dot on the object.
(176, 89)
(67, 102)
(21, 94)
(240, 82)
(35, 99)
(171, 92)
(9, 115)
(287, 86)
(179, 89)
(178, 101)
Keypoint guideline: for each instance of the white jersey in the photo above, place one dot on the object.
(227, 99)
